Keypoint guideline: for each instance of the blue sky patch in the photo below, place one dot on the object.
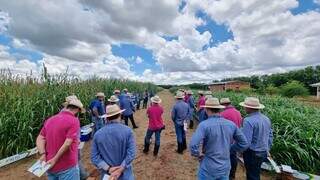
(131, 51)
(305, 6)
(220, 33)
(170, 38)
(20, 53)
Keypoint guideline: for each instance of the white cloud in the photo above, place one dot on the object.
(77, 35)
(139, 60)
(317, 1)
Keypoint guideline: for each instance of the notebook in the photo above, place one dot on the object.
(39, 168)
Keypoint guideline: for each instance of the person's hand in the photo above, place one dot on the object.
(117, 173)
(113, 169)
(42, 158)
(269, 155)
(52, 162)
(200, 158)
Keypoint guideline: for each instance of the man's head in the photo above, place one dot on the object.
(116, 92)
(252, 104)
(100, 96)
(179, 95)
(225, 101)
(125, 90)
(156, 100)
(113, 112)
(75, 106)
(201, 93)
(212, 106)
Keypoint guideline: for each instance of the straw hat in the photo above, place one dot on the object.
(125, 89)
(213, 103)
(113, 110)
(189, 92)
(117, 91)
(113, 98)
(179, 95)
(77, 103)
(208, 96)
(156, 99)
(252, 102)
(100, 94)
(225, 101)
(200, 92)
(68, 99)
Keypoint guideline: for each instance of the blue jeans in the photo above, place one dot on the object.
(202, 175)
(181, 134)
(98, 122)
(149, 135)
(252, 163)
(69, 174)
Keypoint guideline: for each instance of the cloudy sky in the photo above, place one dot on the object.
(163, 41)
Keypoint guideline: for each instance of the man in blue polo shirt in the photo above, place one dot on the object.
(127, 105)
(258, 131)
(97, 107)
(216, 135)
(180, 114)
(113, 147)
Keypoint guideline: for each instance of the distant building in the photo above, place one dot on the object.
(232, 85)
(317, 85)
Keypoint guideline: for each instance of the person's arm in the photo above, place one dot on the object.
(95, 111)
(173, 114)
(241, 143)
(66, 145)
(196, 140)
(247, 131)
(131, 151)
(270, 141)
(96, 157)
(41, 144)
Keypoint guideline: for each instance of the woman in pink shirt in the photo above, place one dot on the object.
(156, 125)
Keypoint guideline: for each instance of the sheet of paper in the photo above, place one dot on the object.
(81, 145)
(39, 168)
(106, 177)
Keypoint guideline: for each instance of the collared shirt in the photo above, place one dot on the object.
(258, 131)
(99, 105)
(201, 102)
(55, 131)
(180, 112)
(154, 113)
(217, 133)
(232, 114)
(114, 145)
(125, 103)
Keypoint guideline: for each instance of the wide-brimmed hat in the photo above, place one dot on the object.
(156, 99)
(208, 96)
(116, 91)
(77, 103)
(125, 89)
(113, 110)
(113, 98)
(100, 94)
(213, 103)
(252, 102)
(179, 95)
(225, 101)
(190, 92)
(68, 99)
(200, 92)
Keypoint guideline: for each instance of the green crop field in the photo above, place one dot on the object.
(26, 102)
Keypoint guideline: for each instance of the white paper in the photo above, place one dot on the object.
(185, 126)
(274, 165)
(39, 168)
(106, 177)
(81, 145)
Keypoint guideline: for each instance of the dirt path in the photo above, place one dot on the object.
(168, 164)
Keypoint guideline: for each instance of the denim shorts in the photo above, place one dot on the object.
(69, 174)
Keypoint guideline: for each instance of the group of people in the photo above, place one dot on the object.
(216, 141)
(218, 137)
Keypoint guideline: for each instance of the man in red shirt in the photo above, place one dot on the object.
(232, 114)
(156, 125)
(58, 142)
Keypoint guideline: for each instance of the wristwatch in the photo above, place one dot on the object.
(108, 170)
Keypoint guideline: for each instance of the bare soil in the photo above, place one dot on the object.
(168, 165)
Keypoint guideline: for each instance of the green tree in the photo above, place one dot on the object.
(294, 88)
